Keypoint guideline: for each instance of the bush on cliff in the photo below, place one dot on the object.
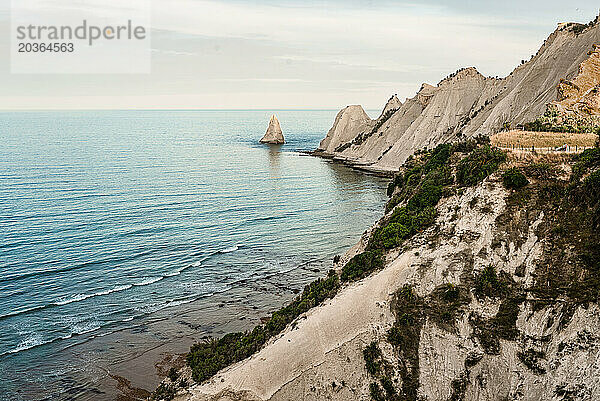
(362, 265)
(514, 179)
(487, 283)
(478, 165)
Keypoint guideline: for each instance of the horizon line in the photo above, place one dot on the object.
(183, 109)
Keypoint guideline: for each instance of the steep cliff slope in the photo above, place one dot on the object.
(349, 122)
(488, 290)
(467, 104)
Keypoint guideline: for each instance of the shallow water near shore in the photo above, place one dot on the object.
(128, 235)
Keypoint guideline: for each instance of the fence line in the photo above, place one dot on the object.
(557, 150)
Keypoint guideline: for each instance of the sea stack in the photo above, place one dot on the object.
(273, 135)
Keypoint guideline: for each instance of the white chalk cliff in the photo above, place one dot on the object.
(274, 135)
(467, 104)
(522, 347)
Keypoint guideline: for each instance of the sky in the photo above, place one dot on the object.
(299, 54)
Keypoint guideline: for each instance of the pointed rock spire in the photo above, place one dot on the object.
(274, 135)
(392, 105)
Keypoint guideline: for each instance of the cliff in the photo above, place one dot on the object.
(467, 104)
(349, 122)
(479, 283)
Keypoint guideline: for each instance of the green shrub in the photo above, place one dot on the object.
(588, 159)
(392, 235)
(397, 182)
(362, 265)
(542, 171)
(513, 178)
(478, 165)
(402, 224)
(375, 392)
(451, 293)
(428, 194)
(488, 284)
(173, 375)
(373, 358)
(164, 392)
(439, 157)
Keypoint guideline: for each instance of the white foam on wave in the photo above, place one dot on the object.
(28, 343)
(81, 297)
(85, 328)
(181, 269)
(176, 272)
(230, 249)
(177, 303)
(149, 280)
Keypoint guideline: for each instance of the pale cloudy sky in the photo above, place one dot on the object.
(300, 54)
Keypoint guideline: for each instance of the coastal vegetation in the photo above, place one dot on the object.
(571, 212)
(554, 121)
(424, 182)
(362, 265)
(425, 179)
(479, 164)
(514, 179)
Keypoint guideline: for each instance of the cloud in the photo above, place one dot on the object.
(221, 54)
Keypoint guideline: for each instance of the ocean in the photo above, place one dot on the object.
(128, 235)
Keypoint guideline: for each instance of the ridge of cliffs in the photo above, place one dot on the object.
(467, 104)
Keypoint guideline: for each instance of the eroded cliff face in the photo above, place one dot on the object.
(496, 300)
(467, 104)
(349, 122)
(582, 93)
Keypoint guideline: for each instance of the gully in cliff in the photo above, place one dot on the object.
(274, 135)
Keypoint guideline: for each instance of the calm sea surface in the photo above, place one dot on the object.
(121, 231)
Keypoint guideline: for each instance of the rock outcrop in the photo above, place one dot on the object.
(274, 135)
(390, 107)
(349, 122)
(467, 104)
(582, 93)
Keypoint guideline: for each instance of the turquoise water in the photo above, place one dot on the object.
(111, 218)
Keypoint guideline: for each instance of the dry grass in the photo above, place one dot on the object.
(559, 160)
(527, 139)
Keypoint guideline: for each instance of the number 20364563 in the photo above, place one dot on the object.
(36, 47)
